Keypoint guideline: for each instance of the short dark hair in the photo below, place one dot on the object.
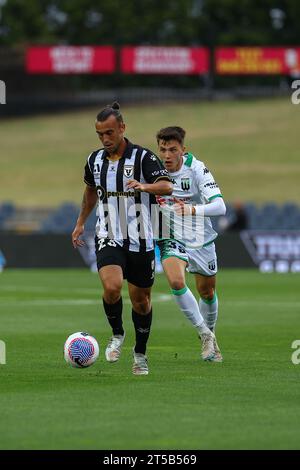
(110, 110)
(171, 133)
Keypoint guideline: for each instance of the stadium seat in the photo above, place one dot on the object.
(269, 217)
(62, 220)
(7, 210)
(255, 221)
(290, 207)
(289, 216)
(250, 208)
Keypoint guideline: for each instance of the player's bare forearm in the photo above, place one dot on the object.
(160, 188)
(88, 203)
(212, 209)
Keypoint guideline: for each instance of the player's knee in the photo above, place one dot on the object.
(142, 306)
(207, 293)
(112, 293)
(177, 284)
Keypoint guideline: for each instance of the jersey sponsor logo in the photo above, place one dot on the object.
(211, 185)
(205, 171)
(122, 193)
(96, 168)
(212, 265)
(159, 172)
(100, 192)
(128, 170)
(185, 184)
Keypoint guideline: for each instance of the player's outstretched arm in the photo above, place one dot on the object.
(212, 209)
(89, 201)
(159, 188)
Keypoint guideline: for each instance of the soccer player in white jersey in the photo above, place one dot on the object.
(195, 193)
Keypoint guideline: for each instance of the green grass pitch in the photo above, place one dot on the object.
(251, 401)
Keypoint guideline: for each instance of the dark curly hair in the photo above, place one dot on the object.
(110, 110)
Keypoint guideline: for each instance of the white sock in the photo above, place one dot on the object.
(209, 311)
(190, 308)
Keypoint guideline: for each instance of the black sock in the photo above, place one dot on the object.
(114, 316)
(142, 325)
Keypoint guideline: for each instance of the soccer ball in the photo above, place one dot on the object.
(81, 350)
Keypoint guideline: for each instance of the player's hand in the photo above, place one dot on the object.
(181, 208)
(76, 241)
(137, 185)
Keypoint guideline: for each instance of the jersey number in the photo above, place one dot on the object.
(174, 246)
(103, 242)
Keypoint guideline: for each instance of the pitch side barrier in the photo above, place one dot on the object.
(56, 251)
(269, 251)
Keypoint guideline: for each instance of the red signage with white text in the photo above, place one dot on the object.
(257, 61)
(70, 60)
(165, 60)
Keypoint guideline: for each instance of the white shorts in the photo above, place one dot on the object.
(203, 261)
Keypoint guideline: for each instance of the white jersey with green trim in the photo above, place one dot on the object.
(194, 184)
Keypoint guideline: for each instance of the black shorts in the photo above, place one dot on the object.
(138, 268)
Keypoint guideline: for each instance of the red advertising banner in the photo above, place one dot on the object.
(70, 60)
(257, 60)
(164, 60)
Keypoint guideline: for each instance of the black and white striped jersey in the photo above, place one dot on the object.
(124, 215)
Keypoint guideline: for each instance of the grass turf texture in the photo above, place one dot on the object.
(242, 142)
(251, 401)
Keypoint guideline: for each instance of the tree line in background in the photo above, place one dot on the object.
(139, 22)
(150, 22)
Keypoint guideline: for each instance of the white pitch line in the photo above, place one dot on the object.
(48, 289)
(262, 303)
(156, 297)
(72, 302)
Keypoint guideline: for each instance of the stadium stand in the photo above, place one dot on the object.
(25, 220)
(7, 210)
(270, 216)
(64, 218)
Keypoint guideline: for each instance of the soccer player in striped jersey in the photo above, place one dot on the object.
(123, 178)
(195, 195)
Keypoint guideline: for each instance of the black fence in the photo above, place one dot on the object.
(56, 251)
(39, 251)
(269, 251)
